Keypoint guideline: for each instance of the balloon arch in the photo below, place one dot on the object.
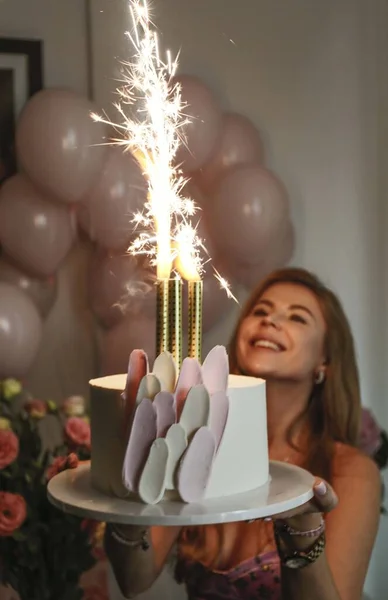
(69, 179)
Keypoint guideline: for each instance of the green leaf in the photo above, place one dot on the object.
(19, 536)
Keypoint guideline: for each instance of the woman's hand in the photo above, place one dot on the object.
(307, 519)
(324, 501)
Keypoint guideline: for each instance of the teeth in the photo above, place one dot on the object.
(267, 344)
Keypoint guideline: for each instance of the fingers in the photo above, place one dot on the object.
(325, 499)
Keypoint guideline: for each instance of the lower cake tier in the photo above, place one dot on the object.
(238, 464)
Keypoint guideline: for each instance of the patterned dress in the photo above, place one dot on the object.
(254, 579)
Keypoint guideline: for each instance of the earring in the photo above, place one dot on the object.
(319, 377)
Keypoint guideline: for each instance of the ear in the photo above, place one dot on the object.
(320, 374)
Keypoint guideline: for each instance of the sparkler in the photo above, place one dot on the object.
(152, 113)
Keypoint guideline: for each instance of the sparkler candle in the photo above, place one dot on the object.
(188, 265)
(175, 320)
(195, 294)
(162, 316)
(152, 132)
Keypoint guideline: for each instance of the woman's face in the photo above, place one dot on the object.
(283, 336)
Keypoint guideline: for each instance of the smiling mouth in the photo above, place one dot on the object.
(268, 345)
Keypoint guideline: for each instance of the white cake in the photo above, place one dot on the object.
(208, 443)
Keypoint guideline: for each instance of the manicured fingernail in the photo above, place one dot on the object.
(321, 488)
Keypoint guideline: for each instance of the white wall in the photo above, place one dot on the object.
(62, 27)
(307, 72)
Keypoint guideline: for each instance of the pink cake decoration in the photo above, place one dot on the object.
(143, 433)
(175, 433)
(196, 465)
(165, 412)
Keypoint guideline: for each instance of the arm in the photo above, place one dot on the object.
(339, 573)
(136, 567)
(137, 554)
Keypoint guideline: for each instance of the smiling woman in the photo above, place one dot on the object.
(315, 360)
(293, 333)
(283, 335)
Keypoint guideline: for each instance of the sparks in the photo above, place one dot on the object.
(151, 128)
(225, 285)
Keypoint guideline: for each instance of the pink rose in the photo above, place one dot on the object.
(370, 439)
(77, 431)
(9, 447)
(13, 511)
(72, 461)
(37, 409)
(61, 463)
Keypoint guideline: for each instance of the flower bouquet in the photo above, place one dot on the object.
(44, 553)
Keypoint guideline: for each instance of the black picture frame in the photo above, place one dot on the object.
(21, 76)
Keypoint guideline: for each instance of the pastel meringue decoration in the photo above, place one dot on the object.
(142, 384)
(152, 483)
(190, 375)
(197, 460)
(137, 369)
(143, 434)
(176, 425)
(165, 370)
(165, 413)
(215, 370)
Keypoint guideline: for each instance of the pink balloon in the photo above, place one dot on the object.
(119, 285)
(58, 144)
(278, 253)
(36, 233)
(42, 292)
(119, 191)
(249, 207)
(215, 301)
(20, 332)
(240, 143)
(117, 343)
(204, 129)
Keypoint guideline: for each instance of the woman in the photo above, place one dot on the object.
(294, 334)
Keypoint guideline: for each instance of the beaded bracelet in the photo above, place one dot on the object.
(283, 527)
(142, 542)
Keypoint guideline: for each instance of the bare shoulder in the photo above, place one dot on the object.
(351, 464)
(352, 526)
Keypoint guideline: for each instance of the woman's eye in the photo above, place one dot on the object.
(298, 319)
(260, 312)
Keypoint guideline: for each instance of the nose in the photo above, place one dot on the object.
(272, 320)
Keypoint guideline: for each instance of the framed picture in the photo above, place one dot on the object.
(21, 76)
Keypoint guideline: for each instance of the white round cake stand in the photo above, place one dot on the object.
(289, 487)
